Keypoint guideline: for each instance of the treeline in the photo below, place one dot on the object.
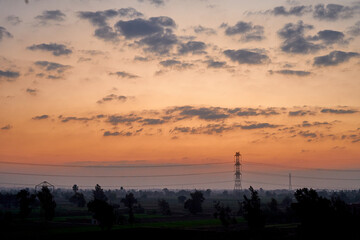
(316, 213)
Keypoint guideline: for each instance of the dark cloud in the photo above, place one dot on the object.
(329, 37)
(338, 111)
(13, 20)
(244, 56)
(300, 113)
(31, 91)
(41, 117)
(4, 33)
(152, 121)
(194, 47)
(51, 15)
(294, 39)
(246, 112)
(292, 72)
(355, 30)
(334, 58)
(160, 43)
(106, 33)
(124, 75)
(204, 30)
(113, 97)
(307, 134)
(333, 12)
(100, 18)
(56, 49)
(258, 126)
(52, 66)
(126, 119)
(9, 75)
(204, 113)
(175, 64)
(6, 127)
(141, 59)
(122, 133)
(140, 27)
(293, 11)
(156, 3)
(215, 64)
(68, 119)
(308, 124)
(247, 30)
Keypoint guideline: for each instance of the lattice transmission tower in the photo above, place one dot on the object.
(238, 168)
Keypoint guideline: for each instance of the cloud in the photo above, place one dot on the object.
(156, 3)
(141, 27)
(41, 117)
(106, 33)
(246, 112)
(9, 75)
(329, 37)
(124, 75)
(247, 31)
(160, 43)
(308, 124)
(204, 113)
(293, 11)
(194, 47)
(215, 64)
(54, 48)
(355, 30)
(153, 121)
(307, 134)
(292, 72)
(300, 113)
(294, 39)
(113, 97)
(338, 111)
(68, 119)
(204, 30)
(52, 66)
(31, 91)
(108, 133)
(258, 126)
(126, 119)
(332, 12)
(6, 127)
(244, 56)
(4, 33)
(175, 64)
(51, 16)
(13, 20)
(334, 58)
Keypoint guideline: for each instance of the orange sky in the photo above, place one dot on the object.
(180, 82)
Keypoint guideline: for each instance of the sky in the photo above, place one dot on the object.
(164, 82)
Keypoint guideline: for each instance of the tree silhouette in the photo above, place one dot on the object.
(102, 211)
(47, 203)
(129, 202)
(164, 207)
(77, 198)
(25, 201)
(223, 213)
(252, 212)
(181, 199)
(194, 204)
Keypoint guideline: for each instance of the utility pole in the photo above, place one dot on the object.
(290, 186)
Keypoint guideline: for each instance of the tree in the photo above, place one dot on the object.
(25, 201)
(181, 199)
(252, 212)
(129, 202)
(102, 211)
(194, 204)
(164, 207)
(47, 203)
(99, 194)
(223, 213)
(77, 198)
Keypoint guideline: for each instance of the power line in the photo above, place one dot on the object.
(113, 166)
(110, 176)
(178, 165)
